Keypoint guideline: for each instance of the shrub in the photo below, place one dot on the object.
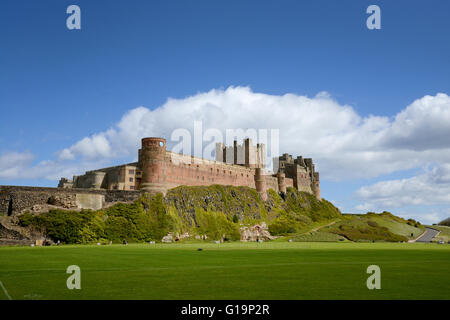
(61, 225)
(372, 223)
(282, 226)
(216, 225)
(357, 231)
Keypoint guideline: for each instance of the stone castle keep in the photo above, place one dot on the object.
(158, 170)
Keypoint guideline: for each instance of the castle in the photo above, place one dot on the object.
(158, 170)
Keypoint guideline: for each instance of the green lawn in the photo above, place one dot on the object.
(272, 270)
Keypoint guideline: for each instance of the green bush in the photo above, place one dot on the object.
(282, 226)
(216, 225)
(62, 225)
(445, 222)
(143, 220)
(355, 229)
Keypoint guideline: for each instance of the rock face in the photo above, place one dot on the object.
(171, 237)
(67, 201)
(6, 233)
(255, 233)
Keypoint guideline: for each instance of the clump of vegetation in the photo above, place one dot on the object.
(216, 225)
(143, 220)
(67, 226)
(445, 222)
(359, 228)
(242, 202)
(299, 209)
(317, 237)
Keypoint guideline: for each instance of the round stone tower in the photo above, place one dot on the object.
(281, 182)
(152, 164)
(98, 177)
(260, 184)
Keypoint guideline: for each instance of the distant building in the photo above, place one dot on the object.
(123, 177)
(158, 170)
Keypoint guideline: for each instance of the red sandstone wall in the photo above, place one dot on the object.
(289, 182)
(186, 170)
(272, 183)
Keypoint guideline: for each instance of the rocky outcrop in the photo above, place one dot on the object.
(6, 233)
(255, 233)
(175, 236)
(67, 201)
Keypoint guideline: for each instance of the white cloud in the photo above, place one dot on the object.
(19, 165)
(12, 164)
(429, 188)
(343, 144)
(428, 193)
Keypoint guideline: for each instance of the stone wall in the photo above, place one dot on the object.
(17, 198)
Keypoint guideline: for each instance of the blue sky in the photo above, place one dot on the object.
(58, 86)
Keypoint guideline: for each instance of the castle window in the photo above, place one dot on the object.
(131, 179)
(131, 187)
(131, 171)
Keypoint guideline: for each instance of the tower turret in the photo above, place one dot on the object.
(260, 184)
(152, 164)
(281, 181)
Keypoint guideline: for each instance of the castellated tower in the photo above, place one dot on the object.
(245, 154)
(301, 171)
(152, 164)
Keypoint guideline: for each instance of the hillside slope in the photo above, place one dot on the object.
(375, 227)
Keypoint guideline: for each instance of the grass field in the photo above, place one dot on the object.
(271, 270)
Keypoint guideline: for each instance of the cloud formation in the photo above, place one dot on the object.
(429, 188)
(344, 144)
